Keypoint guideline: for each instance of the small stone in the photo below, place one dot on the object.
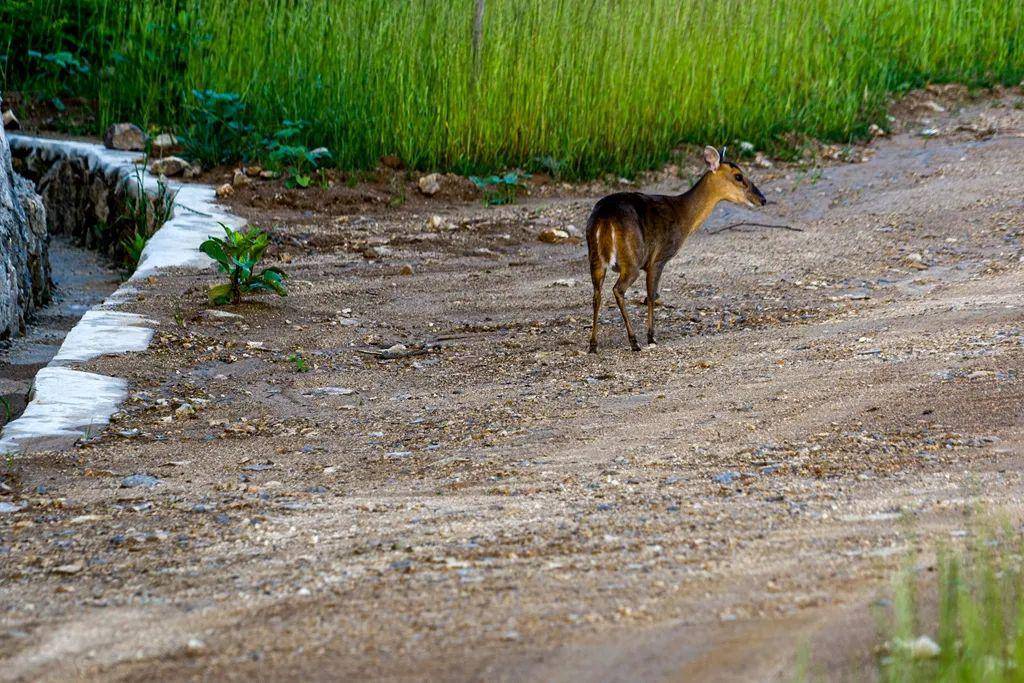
(193, 171)
(553, 235)
(395, 351)
(565, 282)
(225, 190)
(214, 313)
(194, 647)
(331, 391)
(253, 171)
(406, 269)
(185, 410)
(761, 161)
(929, 132)
(164, 142)
(430, 184)
(125, 136)
(11, 121)
(921, 647)
(72, 568)
(239, 179)
(980, 374)
(6, 508)
(144, 480)
(876, 131)
(269, 175)
(169, 166)
(436, 222)
(726, 478)
(393, 162)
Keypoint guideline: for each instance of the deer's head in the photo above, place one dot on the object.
(729, 180)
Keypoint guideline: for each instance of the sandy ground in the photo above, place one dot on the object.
(499, 505)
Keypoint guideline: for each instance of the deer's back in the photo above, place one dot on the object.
(652, 214)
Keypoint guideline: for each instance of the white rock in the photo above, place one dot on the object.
(430, 184)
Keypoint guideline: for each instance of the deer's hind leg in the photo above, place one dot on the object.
(628, 273)
(597, 271)
(653, 279)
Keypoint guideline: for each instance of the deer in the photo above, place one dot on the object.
(632, 231)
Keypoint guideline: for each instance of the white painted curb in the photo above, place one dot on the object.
(67, 403)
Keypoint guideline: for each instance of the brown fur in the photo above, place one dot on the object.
(630, 231)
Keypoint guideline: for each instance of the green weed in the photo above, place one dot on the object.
(237, 254)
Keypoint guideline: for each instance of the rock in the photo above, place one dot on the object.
(331, 391)
(921, 647)
(125, 136)
(228, 315)
(573, 231)
(406, 269)
(761, 161)
(225, 190)
(430, 184)
(24, 254)
(726, 478)
(269, 175)
(395, 351)
(193, 171)
(139, 480)
(168, 166)
(253, 171)
(194, 647)
(164, 143)
(7, 508)
(565, 282)
(11, 121)
(393, 162)
(185, 410)
(876, 131)
(72, 568)
(553, 235)
(239, 179)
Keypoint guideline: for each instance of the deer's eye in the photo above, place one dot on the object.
(738, 177)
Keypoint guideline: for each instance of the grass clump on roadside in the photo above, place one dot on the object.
(580, 88)
(977, 620)
(237, 255)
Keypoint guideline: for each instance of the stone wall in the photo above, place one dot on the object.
(24, 263)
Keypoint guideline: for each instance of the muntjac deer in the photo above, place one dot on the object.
(630, 231)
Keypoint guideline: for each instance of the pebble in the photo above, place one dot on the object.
(225, 190)
(194, 647)
(430, 184)
(6, 507)
(726, 478)
(168, 166)
(553, 235)
(144, 480)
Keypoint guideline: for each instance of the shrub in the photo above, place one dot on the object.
(218, 130)
(237, 255)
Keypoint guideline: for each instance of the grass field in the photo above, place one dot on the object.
(582, 86)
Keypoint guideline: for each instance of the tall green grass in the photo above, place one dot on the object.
(602, 85)
(977, 621)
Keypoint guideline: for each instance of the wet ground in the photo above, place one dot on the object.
(495, 503)
(81, 279)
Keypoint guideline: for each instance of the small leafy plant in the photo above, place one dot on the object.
(500, 189)
(300, 363)
(286, 153)
(218, 130)
(237, 255)
(133, 247)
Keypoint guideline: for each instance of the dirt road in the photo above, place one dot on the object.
(500, 505)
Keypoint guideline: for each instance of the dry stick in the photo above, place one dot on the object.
(732, 226)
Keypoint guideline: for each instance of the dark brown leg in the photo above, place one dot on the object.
(597, 277)
(653, 279)
(626, 278)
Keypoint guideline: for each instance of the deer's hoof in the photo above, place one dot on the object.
(593, 347)
(633, 345)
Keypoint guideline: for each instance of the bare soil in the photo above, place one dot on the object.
(498, 504)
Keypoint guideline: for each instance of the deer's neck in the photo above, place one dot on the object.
(695, 205)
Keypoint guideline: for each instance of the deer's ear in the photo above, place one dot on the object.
(712, 158)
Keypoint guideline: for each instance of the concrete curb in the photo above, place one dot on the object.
(68, 403)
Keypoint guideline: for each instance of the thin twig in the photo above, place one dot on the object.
(733, 226)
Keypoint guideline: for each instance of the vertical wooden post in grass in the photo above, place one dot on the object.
(478, 38)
